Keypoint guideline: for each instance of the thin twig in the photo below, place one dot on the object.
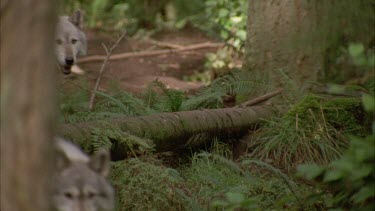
(107, 58)
(164, 44)
(99, 58)
(260, 99)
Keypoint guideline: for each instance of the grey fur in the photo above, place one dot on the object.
(81, 181)
(70, 40)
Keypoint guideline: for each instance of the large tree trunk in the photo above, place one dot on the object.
(27, 103)
(171, 130)
(293, 43)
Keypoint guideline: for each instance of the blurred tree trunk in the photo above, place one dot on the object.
(27, 103)
(294, 43)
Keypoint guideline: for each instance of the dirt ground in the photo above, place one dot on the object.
(134, 74)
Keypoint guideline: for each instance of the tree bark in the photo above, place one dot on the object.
(27, 103)
(292, 44)
(172, 130)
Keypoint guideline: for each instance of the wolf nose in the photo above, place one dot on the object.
(69, 61)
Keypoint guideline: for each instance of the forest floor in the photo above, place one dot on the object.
(134, 74)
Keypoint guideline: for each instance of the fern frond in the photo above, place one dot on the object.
(236, 83)
(204, 100)
(171, 100)
(103, 137)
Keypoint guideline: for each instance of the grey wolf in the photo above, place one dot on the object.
(70, 40)
(81, 181)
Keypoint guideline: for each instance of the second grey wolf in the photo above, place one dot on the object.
(81, 181)
(70, 40)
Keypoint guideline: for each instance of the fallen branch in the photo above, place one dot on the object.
(164, 44)
(99, 58)
(107, 57)
(260, 99)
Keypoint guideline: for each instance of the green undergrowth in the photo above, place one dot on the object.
(146, 185)
(102, 137)
(208, 182)
(349, 182)
(313, 131)
(156, 98)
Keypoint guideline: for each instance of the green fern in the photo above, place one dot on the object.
(155, 99)
(236, 83)
(169, 100)
(205, 99)
(123, 102)
(103, 136)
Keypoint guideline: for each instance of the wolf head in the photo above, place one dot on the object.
(70, 40)
(81, 181)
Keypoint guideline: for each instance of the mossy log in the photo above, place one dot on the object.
(172, 130)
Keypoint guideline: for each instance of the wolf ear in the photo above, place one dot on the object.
(62, 161)
(77, 19)
(100, 162)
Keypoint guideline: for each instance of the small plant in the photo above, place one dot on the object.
(231, 16)
(312, 131)
(349, 181)
(359, 57)
(230, 20)
(219, 183)
(147, 185)
(169, 100)
(237, 83)
(222, 62)
(234, 201)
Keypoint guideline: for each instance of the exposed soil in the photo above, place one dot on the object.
(135, 74)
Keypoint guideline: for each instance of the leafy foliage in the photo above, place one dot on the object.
(211, 182)
(230, 16)
(221, 183)
(225, 18)
(148, 185)
(169, 100)
(236, 83)
(155, 99)
(350, 180)
(102, 136)
(312, 131)
(234, 201)
(106, 14)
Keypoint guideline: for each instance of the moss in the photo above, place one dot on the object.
(369, 82)
(344, 113)
(313, 131)
(310, 101)
(146, 185)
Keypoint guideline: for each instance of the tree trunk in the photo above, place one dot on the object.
(27, 103)
(171, 130)
(291, 44)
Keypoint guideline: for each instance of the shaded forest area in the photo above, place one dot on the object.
(206, 104)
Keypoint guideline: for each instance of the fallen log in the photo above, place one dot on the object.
(169, 131)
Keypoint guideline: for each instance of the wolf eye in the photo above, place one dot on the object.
(59, 42)
(90, 195)
(68, 195)
(74, 41)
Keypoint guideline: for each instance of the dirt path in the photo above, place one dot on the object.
(135, 73)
